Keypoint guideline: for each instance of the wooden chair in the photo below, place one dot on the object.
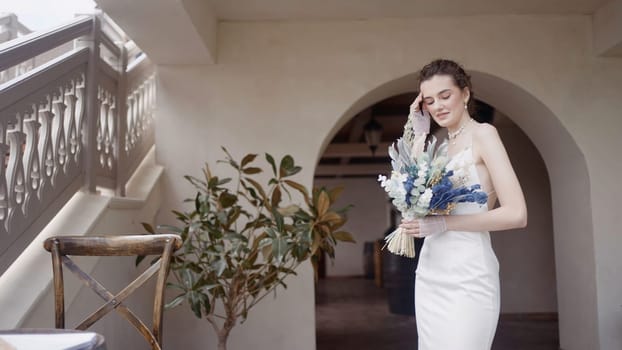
(163, 245)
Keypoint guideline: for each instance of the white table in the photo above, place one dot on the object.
(50, 339)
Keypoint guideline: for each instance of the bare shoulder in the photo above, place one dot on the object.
(486, 141)
(485, 134)
(485, 130)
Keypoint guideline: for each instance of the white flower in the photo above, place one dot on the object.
(383, 180)
(419, 181)
(424, 200)
(399, 176)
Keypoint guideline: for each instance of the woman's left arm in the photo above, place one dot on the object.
(512, 210)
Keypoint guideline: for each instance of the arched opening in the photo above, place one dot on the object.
(569, 196)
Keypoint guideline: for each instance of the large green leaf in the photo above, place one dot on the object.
(223, 181)
(199, 184)
(212, 183)
(235, 236)
(271, 232)
(227, 199)
(176, 301)
(251, 170)
(148, 228)
(258, 187)
(247, 159)
(344, 236)
(287, 164)
(276, 197)
(323, 203)
(232, 162)
(197, 202)
(187, 278)
(180, 216)
(335, 193)
(332, 219)
(293, 171)
(289, 210)
(266, 252)
(234, 215)
(251, 259)
(219, 266)
(196, 300)
(299, 187)
(279, 248)
(138, 260)
(317, 241)
(279, 220)
(270, 160)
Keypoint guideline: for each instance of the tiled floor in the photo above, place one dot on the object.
(352, 313)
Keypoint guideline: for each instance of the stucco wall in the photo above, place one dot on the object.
(283, 87)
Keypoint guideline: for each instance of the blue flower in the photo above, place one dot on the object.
(408, 186)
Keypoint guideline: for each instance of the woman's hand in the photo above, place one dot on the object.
(420, 123)
(424, 227)
(414, 107)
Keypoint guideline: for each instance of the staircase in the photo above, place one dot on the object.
(76, 114)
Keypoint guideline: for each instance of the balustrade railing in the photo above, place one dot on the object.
(81, 120)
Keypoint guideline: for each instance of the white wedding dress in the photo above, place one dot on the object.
(457, 283)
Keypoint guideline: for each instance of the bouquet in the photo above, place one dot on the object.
(422, 183)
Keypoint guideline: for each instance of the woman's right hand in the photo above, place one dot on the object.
(420, 122)
(414, 107)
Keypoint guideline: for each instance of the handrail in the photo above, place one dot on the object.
(31, 45)
(14, 91)
(109, 44)
(112, 29)
(139, 70)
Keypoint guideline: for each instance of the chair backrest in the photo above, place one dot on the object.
(161, 244)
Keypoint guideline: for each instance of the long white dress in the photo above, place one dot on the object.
(457, 284)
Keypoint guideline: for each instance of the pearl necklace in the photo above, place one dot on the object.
(452, 136)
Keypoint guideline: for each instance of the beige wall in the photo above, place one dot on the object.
(286, 87)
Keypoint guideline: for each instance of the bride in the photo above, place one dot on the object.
(457, 278)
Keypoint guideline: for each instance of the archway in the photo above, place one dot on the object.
(570, 194)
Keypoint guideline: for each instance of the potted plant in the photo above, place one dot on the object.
(242, 239)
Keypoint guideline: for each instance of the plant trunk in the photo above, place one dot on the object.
(223, 334)
(222, 343)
